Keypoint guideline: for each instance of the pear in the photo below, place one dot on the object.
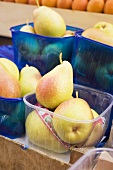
(9, 85)
(40, 135)
(48, 22)
(97, 132)
(27, 28)
(10, 66)
(55, 86)
(69, 128)
(68, 33)
(104, 26)
(29, 77)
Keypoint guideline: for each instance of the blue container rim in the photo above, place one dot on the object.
(11, 99)
(77, 30)
(94, 41)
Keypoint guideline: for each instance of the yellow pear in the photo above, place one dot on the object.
(98, 35)
(10, 66)
(48, 22)
(9, 85)
(29, 77)
(97, 132)
(40, 135)
(56, 86)
(27, 28)
(69, 128)
(104, 26)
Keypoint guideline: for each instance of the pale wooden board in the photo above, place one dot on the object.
(13, 14)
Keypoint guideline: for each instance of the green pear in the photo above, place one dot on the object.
(69, 128)
(29, 77)
(9, 85)
(55, 86)
(48, 22)
(105, 26)
(10, 66)
(40, 135)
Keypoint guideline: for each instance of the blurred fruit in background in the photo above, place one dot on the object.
(79, 5)
(108, 8)
(9, 0)
(50, 3)
(99, 6)
(64, 4)
(32, 2)
(95, 6)
(21, 1)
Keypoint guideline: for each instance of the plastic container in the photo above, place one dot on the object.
(92, 64)
(41, 51)
(90, 159)
(12, 117)
(6, 51)
(12, 110)
(101, 102)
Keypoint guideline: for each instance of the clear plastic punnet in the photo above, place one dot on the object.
(95, 159)
(57, 133)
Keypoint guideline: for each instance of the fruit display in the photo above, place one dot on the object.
(52, 89)
(13, 86)
(13, 82)
(92, 63)
(39, 43)
(31, 75)
(72, 132)
(44, 24)
(97, 6)
(40, 135)
(9, 84)
(61, 115)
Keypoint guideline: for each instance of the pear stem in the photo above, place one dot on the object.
(37, 3)
(60, 58)
(76, 94)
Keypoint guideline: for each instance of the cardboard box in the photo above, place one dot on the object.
(13, 156)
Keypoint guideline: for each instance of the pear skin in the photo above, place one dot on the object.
(56, 86)
(9, 85)
(98, 35)
(105, 26)
(29, 77)
(97, 132)
(48, 22)
(27, 28)
(10, 66)
(71, 131)
(40, 135)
